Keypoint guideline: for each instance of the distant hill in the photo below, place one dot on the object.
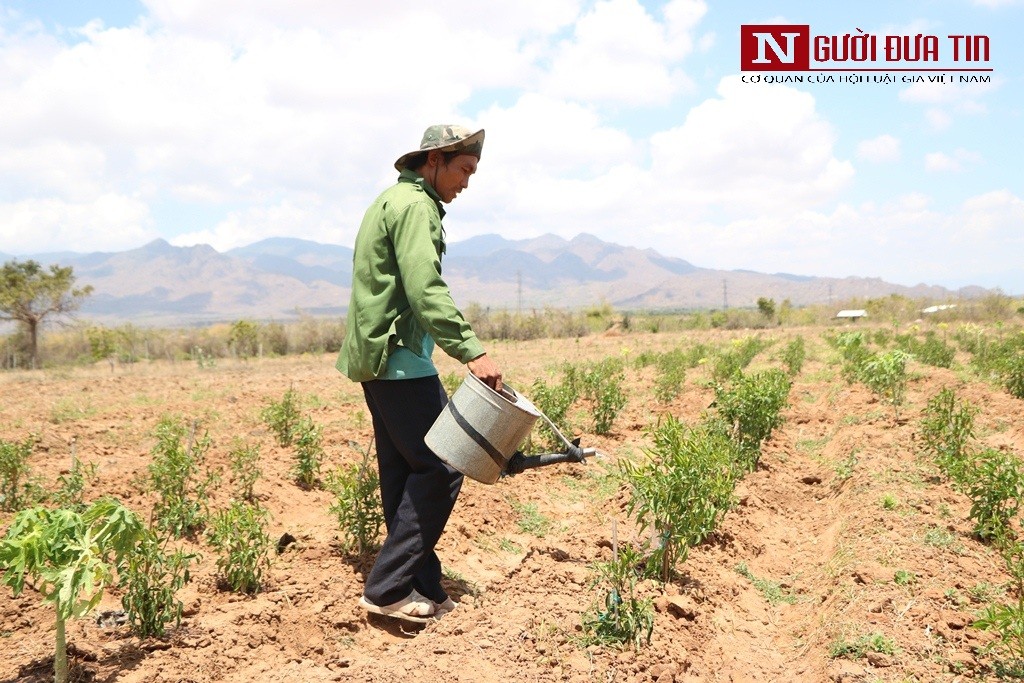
(281, 278)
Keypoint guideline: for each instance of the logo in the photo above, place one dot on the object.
(793, 47)
(775, 48)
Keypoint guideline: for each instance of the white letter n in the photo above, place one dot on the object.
(787, 56)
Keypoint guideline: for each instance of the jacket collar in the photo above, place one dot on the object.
(407, 176)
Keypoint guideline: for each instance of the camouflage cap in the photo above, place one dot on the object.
(446, 138)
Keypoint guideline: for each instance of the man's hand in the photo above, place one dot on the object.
(486, 370)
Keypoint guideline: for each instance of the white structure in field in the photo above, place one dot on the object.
(936, 309)
(852, 314)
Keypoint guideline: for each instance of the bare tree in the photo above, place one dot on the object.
(29, 293)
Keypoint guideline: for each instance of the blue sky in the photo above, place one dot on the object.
(228, 121)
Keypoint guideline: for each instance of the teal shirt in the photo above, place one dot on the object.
(404, 364)
(399, 299)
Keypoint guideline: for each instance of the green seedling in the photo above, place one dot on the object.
(309, 454)
(682, 490)
(239, 537)
(176, 476)
(282, 417)
(68, 558)
(357, 504)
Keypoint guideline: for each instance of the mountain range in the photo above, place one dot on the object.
(282, 278)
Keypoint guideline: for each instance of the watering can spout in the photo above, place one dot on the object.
(573, 453)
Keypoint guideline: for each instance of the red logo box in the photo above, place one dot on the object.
(775, 47)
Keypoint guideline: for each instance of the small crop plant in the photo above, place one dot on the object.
(601, 384)
(995, 487)
(902, 577)
(794, 355)
(239, 537)
(309, 454)
(150, 578)
(15, 490)
(947, 430)
(682, 490)
(885, 374)
(357, 505)
(71, 485)
(68, 558)
(620, 618)
(751, 406)
(282, 417)
(176, 476)
(244, 461)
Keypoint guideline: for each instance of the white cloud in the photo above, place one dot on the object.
(620, 53)
(884, 148)
(753, 146)
(937, 119)
(311, 220)
(942, 162)
(107, 223)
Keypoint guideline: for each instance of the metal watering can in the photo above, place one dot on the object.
(480, 429)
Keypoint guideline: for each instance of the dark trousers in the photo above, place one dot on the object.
(418, 490)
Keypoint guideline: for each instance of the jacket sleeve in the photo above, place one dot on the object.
(419, 265)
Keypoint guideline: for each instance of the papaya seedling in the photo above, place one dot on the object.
(69, 558)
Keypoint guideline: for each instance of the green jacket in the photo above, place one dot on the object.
(398, 295)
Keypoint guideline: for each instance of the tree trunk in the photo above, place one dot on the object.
(60, 656)
(33, 337)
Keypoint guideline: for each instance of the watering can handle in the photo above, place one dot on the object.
(510, 394)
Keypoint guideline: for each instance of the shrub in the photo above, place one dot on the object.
(793, 356)
(15, 490)
(1013, 374)
(730, 362)
(1006, 619)
(601, 383)
(853, 350)
(175, 474)
(357, 505)
(243, 548)
(150, 578)
(933, 351)
(245, 469)
(886, 375)
(671, 372)
(995, 486)
(309, 453)
(71, 486)
(947, 429)
(751, 406)
(554, 401)
(282, 417)
(682, 490)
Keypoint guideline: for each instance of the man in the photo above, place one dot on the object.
(400, 308)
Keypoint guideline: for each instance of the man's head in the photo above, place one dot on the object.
(447, 156)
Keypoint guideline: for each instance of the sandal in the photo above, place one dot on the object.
(443, 608)
(414, 607)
